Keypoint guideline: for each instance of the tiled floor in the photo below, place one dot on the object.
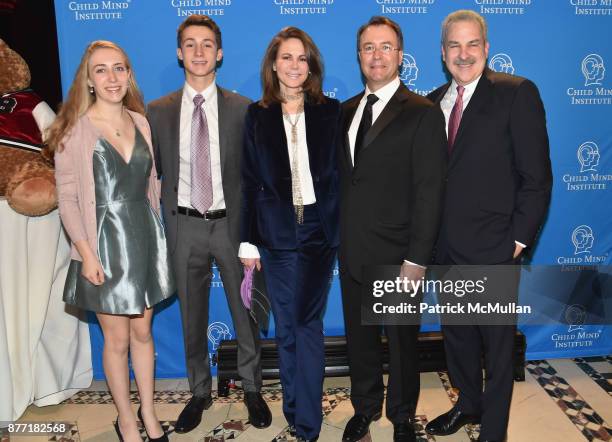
(561, 400)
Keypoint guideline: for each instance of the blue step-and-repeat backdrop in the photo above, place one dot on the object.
(564, 46)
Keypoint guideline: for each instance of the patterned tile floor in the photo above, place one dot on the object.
(560, 400)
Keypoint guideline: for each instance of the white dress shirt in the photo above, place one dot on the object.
(448, 101)
(306, 186)
(384, 94)
(211, 110)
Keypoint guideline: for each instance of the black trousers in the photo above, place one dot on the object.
(365, 360)
(469, 349)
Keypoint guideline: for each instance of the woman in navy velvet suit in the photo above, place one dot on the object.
(290, 213)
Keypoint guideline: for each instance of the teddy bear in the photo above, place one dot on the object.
(27, 179)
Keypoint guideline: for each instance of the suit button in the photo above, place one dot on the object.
(316, 179)
(355, 181)
(174, 212)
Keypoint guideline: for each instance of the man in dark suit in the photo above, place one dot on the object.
(497, 193)
(197, 136)
(391, 167)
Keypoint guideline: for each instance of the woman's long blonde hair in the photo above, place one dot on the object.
(80, 99)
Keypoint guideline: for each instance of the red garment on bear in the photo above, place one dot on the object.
(17, 122)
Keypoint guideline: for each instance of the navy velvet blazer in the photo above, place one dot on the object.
(268, 217)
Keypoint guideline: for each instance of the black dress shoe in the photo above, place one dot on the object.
(450, 422)
(259, 413)
(191, 416)
(403, 432)
(162, 438)
(357, 427)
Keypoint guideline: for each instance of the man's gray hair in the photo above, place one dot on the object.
(463, 15)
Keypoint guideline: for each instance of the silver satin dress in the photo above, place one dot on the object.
(131, 241)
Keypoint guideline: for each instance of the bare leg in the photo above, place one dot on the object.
(143, 364)
(116, 330)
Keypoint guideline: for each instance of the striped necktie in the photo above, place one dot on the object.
(455, 118)
(201, 176)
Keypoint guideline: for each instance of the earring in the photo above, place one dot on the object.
(309, 72)
(91, 90)
(274, 67)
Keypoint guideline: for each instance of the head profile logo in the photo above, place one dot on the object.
(593, 70)
(575, 316)
(588, 156)
(501, 63)
(217, 332)
(409, 71)
(582, 238)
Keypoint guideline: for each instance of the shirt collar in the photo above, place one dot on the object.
(469, 88)
(189, 92)
(385, 93)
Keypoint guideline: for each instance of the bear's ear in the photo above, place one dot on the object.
(14, 71)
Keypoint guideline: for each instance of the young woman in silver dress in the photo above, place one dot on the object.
(109, 205)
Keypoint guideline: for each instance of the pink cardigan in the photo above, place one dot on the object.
(75, 181)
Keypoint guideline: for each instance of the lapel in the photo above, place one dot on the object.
(275, 126)
(438, 102)
(391, 110)
(223, 114)
(314, 133)
(480, 97)
(174, 129)
(349, 114)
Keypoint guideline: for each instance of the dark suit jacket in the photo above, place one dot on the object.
(390, 203)
(268, 217)
(499, 176)
(164, 117)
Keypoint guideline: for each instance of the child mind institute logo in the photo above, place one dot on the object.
(185, 8)
(503, 7)
(217, 332)
(589, 178)
(501, 63)
(404, 6)
(588, 156)
(583, 240)
(593, 70)
(98, 10)
(303, 7)
(409, 71)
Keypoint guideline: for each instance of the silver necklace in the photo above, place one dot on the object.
(105, 120)
(290, 97)
(298, 204)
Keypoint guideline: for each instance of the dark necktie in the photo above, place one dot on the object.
(364, 125)
(455, 118)
(201, 177)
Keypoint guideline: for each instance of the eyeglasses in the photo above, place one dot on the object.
(384, 48)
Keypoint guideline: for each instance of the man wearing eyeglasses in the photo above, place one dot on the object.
(391, 166)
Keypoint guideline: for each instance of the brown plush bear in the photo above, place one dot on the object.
(26, 168)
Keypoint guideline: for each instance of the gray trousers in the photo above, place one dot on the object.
(198, 243)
